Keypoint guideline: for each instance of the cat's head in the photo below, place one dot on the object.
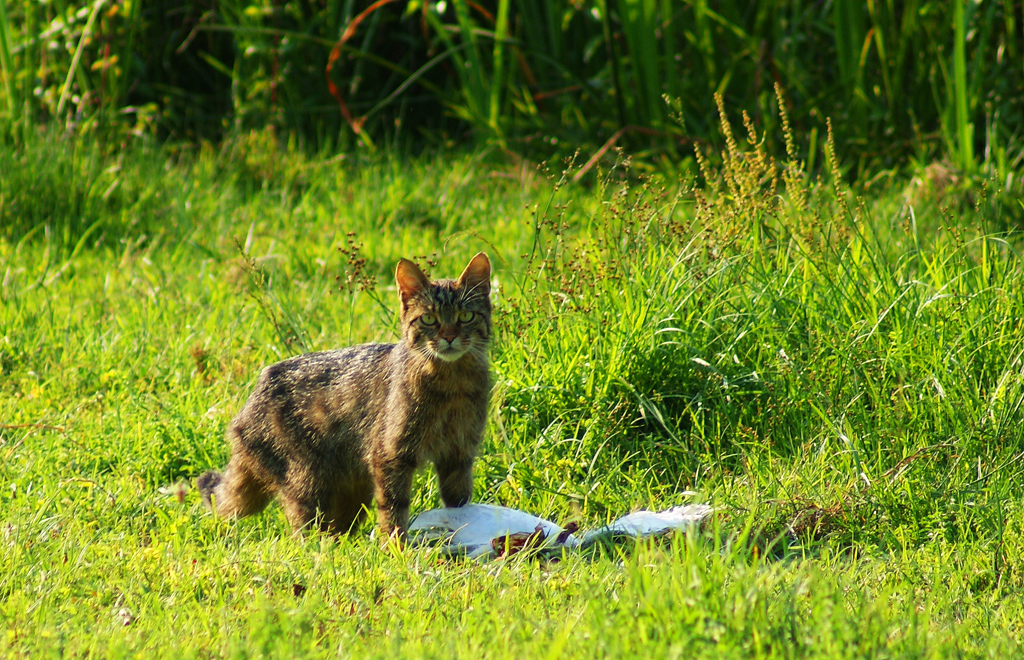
(446, 319)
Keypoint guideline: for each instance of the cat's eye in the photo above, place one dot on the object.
(466, 317)
(428, 319)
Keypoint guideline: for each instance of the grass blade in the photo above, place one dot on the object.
(475, 89)
(497, 79)
(78, 55)
(606, 26)
(964, 129)
(850, 43)
(30, 67)
(6, 65)
(126, 52)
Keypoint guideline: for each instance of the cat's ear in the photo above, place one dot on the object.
(411, 280)
(477, 275)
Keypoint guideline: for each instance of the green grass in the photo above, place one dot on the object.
(842, 377)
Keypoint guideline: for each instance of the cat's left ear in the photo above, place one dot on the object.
(477, 275)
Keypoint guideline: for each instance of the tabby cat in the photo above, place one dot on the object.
(328, 433)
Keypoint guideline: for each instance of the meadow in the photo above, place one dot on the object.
(839, 373)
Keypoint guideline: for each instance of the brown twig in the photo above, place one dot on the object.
(45, 427)
(898, 469)
(355, 123)
(611, 141)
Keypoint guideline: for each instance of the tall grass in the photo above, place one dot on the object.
(899, 79)
(6, 63)
(851, 51)
(964, 132)
(842, 378)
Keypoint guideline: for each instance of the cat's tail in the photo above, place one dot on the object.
(235, 492)
(206, 483)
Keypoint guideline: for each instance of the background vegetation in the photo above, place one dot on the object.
(901, 79)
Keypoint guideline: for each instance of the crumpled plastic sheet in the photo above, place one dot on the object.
(487, 531)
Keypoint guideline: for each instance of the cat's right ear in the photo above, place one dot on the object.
(411, 280)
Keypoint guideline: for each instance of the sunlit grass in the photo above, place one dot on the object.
(843, 381)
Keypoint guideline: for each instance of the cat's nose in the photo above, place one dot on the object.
(448, 334)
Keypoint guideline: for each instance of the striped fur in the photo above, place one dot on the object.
(328, 433)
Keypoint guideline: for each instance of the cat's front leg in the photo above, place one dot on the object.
(455, 478)
(393, 473)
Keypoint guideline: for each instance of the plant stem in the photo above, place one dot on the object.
(964, 129)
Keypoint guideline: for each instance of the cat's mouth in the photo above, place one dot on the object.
(449, 353)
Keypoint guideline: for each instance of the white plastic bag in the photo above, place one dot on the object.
(487, 530)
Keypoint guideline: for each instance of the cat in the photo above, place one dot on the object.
(328, 433)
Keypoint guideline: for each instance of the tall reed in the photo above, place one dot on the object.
(964, 128)
(900, 79)
(7, 69)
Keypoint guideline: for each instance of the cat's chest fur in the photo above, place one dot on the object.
(442, 403)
